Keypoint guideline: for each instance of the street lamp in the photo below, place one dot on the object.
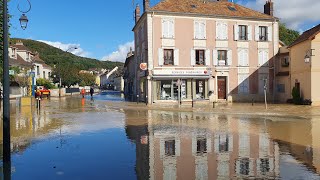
(60, 82)
(6, 86)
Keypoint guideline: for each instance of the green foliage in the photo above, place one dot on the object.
(87, 79)
(286, 35)
(54, 56)
(296, 95)
(46, 83)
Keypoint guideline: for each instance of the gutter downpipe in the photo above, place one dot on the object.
(151, 79)
(274, 62)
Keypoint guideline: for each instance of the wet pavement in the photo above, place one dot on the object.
(107, 138)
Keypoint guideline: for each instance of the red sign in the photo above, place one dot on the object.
(143, 66)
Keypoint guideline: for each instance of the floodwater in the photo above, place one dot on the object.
(107, 138)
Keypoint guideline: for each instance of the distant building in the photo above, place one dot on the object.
(216, 50)
(129, 76)
(25, 59)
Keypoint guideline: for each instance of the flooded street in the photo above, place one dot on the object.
(74, 138)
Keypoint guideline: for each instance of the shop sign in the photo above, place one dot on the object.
(182, 72)
(143, 66)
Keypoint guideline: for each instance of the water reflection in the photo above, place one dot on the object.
(167, 144)
(196, 146)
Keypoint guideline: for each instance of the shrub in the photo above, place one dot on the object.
(296, 95)
(46, 83)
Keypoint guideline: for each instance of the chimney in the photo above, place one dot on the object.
(146, 5)
(137, 13)
(268, 8)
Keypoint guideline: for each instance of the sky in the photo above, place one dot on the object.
(102, 29)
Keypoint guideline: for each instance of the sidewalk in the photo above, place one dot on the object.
(258, 109)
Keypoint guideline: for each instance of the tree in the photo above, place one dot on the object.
(87, 79)
(288, 36)
(46, 83)
(69, 74)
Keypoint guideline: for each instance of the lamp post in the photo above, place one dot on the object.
(60, 81)
(6, 86)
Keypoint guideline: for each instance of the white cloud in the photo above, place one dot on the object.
(70, 47)
(294, 13)
(121, 54)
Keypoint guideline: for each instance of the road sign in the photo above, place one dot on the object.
(11, 72)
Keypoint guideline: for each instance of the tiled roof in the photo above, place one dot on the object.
(224, 9)
(21, 47)
(37, 59)
(307, 35)
(19, 62)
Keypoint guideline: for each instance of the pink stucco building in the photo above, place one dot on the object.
(215, 50)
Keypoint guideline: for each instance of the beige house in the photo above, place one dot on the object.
(215, 50)
(304, 66)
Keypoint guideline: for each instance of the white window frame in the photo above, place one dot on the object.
(200, 29)
(221, 31)
(168, 28)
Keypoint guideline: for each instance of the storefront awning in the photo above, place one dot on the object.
(180, 77)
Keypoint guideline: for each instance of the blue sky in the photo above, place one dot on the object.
(102, 28)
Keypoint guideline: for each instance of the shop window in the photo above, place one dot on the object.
(201, 146)
(200, 89)
(168, 56)
(166, 87)
(200, 57)
(222, 57)
(170, 148)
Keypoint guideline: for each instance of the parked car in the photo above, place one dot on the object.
(42, 91)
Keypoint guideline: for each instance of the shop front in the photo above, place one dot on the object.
(184, 85)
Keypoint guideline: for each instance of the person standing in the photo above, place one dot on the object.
(83, 92)
(91, 91)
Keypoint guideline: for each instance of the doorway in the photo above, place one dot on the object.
(222, 87)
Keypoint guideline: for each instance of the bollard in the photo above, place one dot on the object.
(213, 104)
(137, 99)
(146, 100)
(38, 103)
(252, 102)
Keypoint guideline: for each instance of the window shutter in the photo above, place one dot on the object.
(250, 33)
(216, 143)
(171, 28)
(229, 57)
(162, 148)
(246, 57)
(196, 30)
(218, 30)
(266, 57)
(240, 57)
(236, 32)
(269, 33)
(207, 60)
(257, 33)
(225, 31)
(230, 143)
(204, 31)
(164, 28)
(177, 146)
(260, 57)
(215, 57)
(176, 57)
(160, 55)
(193, 57)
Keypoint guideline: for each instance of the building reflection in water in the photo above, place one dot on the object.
(189, 146)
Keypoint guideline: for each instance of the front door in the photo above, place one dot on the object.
(222, 88)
